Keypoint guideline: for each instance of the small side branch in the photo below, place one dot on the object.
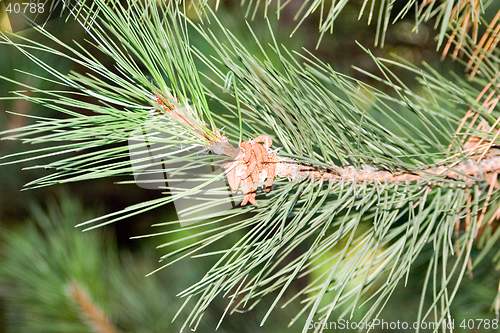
(90, 312)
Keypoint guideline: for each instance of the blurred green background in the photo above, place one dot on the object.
(42, 255)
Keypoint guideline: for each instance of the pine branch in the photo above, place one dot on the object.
(97, 321)
(256, 163)
(337, 221)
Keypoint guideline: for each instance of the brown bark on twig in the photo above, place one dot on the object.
(90, 312)
(254, 164)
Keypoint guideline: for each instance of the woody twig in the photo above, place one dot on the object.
(255, 165)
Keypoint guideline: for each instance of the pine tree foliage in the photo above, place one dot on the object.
(54, 279)
(349, 240)
(455, 15)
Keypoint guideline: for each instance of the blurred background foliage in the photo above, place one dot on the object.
(53, 278)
